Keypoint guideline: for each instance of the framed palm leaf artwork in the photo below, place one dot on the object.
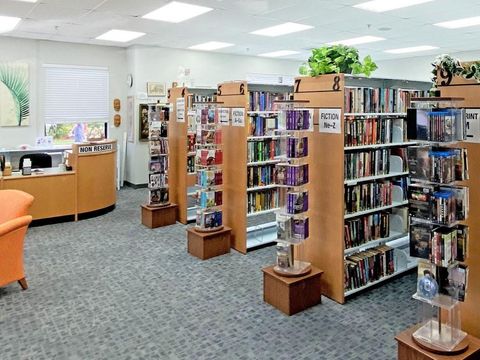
(14, 94)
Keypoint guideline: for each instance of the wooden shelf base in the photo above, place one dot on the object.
(205, 245)
(292, 294)
(409, 349)
(154, 217)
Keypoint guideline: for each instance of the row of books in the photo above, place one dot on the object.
(195, 98)
(157, 165)
(208, 178)
(370, 131)
(263, 150)
(260, 175)
(208, 116)
(295, 119)
(159, 113)
(361, 230)
(291, 174)
(439, 204)
(158, 197)
(442, 246)
(451, 281)
(265, 101)
(290, 229)
(157, 130)
(368, 196)
(439, 165)
(297, 147)
(379, 100)
(158, 147)
(209, 157)
(366, 163)
(209, 198)
(439, 125)
(297, 202)
(262, 126)
(210, 219)
(262, 200)
(209, 137)
(368, 266)
(157, 180)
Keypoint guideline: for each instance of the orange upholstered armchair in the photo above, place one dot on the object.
(14, 221)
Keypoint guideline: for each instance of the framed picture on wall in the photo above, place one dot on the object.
(143, 122)
(155, 89)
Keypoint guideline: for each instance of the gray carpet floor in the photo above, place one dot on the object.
(110, 288)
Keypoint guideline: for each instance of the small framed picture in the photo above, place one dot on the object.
(143, 128)
(155, 89)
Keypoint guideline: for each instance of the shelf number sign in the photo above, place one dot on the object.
(238, 117)
(329, 121)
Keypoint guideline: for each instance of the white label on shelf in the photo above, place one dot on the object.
(238, 117)
(224, 116)
(180, 110)
(472, 117)
(86, 149)
(329, 121)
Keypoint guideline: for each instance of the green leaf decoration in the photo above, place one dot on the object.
(15, 78)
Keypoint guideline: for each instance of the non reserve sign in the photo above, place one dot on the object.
(329, 121)
(88, 149)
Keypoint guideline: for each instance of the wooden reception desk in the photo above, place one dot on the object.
(88, 189)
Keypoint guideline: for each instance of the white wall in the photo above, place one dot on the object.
(39, 52)
(155, 64)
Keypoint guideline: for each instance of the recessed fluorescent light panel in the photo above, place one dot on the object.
(282, 29)
(387, 5)
(8, 23)
(30, 1)
(176, 12)
(357, 41)
(279, 53)
(211, 45)
(411, 49)
(120, 35)
(460, 23)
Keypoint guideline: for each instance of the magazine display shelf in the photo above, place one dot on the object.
(437, 210)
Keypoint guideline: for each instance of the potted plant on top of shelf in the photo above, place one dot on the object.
(448, 66)
(333, 59)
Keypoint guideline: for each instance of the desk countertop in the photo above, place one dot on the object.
(44, 172)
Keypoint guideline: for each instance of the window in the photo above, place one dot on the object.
(76, 103)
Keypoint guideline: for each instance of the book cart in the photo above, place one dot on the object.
(182, 137)
(438, 207)
(360, 211)
(208, 237)
(250, 153)
(158, 211)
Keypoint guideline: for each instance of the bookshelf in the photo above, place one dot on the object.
(249, 229)
(181, 174)
(335, 116)
(455, 87)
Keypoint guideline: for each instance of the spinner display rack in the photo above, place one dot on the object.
(438, 211)
(158, 188)
(338, 100)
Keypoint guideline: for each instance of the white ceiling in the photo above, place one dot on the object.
(232, 21)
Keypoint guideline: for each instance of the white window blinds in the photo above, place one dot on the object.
(75, 94)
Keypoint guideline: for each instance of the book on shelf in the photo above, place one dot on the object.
(378, 100)
(265, 100)
(207, 178)
(290, 229)
(157, 130)
(211, 136)
(159, 164)
(297, 202)
(209, 219)
(366, 163)
(367, 228)
(266, 149)
(208, 116)
(438, 125)
(191, 141)
(206, 157)
(291, 174)
(368, 196)
(157, 180)
(262, 126)
(209, 198)
(297, 147)
(295, 120)
(260, 175)
(370, 131)
(284, 254)
(158, 196)
(368, 266)
(191, 164)
(262, 200)
(158, 147)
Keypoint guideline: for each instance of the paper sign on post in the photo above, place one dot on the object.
(180, 110)
(224, 116)
(238, 117)
(472, 117)
(329, 121)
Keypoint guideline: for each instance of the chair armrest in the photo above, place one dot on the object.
(15, 224)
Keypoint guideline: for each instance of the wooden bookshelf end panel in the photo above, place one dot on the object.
(292, 294)
(205, 245)
(158, 217)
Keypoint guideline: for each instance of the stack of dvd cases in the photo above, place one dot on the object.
(158, 116)
(208, 161)
(291, 176)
